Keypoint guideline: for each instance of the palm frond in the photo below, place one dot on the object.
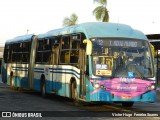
(70, 21)
(101, 2)
(106, 16)
(98, 12)
(101, 13)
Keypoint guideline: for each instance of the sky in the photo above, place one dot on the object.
(39, 16)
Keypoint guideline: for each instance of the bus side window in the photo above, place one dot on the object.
(17, 55)
(54, 56)
(65, 47)
(74, 51)
(39, 51)
(10, 52)
(46, 44)
(25, 52)
(7, 53)
(54, 43)
(46, 52)
(69, 52)
(65, 42)
(64, 57)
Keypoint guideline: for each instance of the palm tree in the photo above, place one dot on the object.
(70, 21)
(101, 12)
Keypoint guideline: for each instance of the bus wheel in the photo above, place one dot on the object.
(11, 80)
(43, 91)
(43, 87)
(127, 104)
(74, 93)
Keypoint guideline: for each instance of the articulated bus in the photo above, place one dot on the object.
(92, 61)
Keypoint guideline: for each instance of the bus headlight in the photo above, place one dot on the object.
(152, 87)
(96, 85)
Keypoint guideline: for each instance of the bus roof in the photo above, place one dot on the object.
(98, 29)
(22, 38)
(90, 29)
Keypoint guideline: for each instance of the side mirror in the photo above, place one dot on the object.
(89, 46)
(153, 51)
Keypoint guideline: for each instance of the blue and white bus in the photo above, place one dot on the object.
(92, 61)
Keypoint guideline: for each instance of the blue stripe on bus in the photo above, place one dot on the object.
(64, 69)
(67, 73)
(20, 69)
(39, 68)
(52, 70)
(38, 71)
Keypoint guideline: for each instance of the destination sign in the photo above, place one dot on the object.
(123, 43)
(119, 43)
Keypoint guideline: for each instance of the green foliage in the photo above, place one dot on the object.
(72, 20)
(101, 13)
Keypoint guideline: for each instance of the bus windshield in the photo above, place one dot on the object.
(122, 58)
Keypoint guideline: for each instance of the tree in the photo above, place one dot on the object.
(101, 13)
(70, 21)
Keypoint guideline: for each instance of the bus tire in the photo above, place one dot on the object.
(127, 104)
(43, 90)
(74, 93)
(43, 87)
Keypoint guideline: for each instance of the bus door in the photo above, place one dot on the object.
(82, 62)
(54, 63)
(79, 59)
(31, 63)
(64, 61)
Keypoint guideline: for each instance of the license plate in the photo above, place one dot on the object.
(126, 97)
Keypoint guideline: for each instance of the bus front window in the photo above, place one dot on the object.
(117, 58)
